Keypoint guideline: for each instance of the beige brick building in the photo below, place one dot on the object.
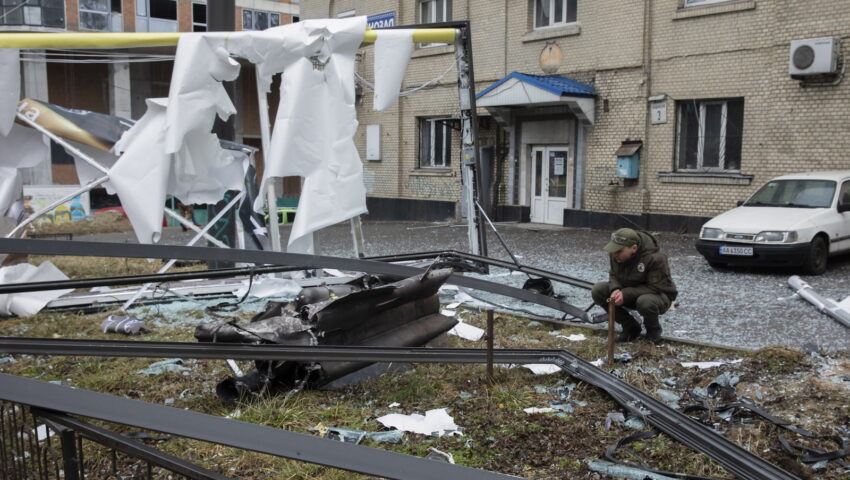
(699, 89)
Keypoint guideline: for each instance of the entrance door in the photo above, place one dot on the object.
(551, 184)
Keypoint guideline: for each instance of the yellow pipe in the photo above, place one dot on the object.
(128, 40)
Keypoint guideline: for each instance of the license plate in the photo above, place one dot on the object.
(738, 251)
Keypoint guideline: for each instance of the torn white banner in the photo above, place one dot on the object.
(23, 147)
(29, 303)
(435, 422)
(10, 87)
(11, 188)
(392, 54)
(314, 129)
(199, 172)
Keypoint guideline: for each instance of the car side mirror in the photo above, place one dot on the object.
(740, 202)
(843, 207)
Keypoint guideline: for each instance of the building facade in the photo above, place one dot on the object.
(117, 81)
(651, 113)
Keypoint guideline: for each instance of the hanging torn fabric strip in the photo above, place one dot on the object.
(10, 80)
(392, 54)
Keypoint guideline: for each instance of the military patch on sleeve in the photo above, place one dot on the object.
(641, 267)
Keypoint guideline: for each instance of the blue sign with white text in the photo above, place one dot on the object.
(381, 20)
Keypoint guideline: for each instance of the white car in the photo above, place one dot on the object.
(795, 220)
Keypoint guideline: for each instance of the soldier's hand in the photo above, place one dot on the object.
(617, 297)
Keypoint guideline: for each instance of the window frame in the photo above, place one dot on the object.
(447, 16)
(196, 23)
(253, 12)
(553, 24)
(445, 123)
(104, 13)
(701, 135)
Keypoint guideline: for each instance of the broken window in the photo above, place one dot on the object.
(550, 13)
(43, 13)
(435, 143)
(259, 20)
(94, 15)
(199, 17)
(709, 135)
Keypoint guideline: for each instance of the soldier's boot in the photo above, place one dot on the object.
(653, 328)
(631, 328)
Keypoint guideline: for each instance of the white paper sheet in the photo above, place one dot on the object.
(392, 54)
(29, 303)
(467, 332)
(10, 87)
(542, 368)
(705, 365)
(435, 422)
(538, 410)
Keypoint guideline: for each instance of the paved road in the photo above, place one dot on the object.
(742, 307)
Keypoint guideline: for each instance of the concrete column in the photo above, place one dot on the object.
(120, 100)
(35, 87)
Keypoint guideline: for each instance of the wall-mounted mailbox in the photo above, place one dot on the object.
(628, 160)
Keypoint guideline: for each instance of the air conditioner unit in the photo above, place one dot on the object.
(814, 56)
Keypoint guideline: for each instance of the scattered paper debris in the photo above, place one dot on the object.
(453, 305)
(27, 304)
(394, 404)
(334, 272)
(356, 436)
(440, 456)
(705, 365)
(542, 368)
(538, 410)
(598, 362)
(435, 422)
(467, 332)
(170, 365)
(448, 313)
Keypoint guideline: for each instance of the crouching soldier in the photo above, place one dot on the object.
(639, 279)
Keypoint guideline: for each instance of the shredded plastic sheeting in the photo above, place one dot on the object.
(10, 79)
(466, 331)
(621, 471)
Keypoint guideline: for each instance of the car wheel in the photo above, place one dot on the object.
(815, 262)
(717, 265)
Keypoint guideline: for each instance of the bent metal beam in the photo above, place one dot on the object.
(102, 249)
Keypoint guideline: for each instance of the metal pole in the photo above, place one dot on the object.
(191, 226)
(198, 236)
(94, 183)
(70, 465)
(612, 310)
(490, 345)
(470, 158)
(271, 194)
(357, 235)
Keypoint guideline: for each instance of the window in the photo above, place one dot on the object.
(43, 13)
(435, 11)
(156, 15)
(691, 3)
(199, 17)
(709, 135)
(551, 13)
(259, 20)
(435, 142)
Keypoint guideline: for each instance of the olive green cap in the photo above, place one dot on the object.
(624, 237)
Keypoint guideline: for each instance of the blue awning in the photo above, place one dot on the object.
(522, 89)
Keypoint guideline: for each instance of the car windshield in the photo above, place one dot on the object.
(794, 193)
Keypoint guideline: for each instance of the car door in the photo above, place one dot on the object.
(842, 240)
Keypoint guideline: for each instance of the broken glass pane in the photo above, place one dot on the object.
(261, 20)
(95, 5)
(94, 21)
(53, 17)
(247, 20)
(274, 19)
(13, 16)
(32, 15)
